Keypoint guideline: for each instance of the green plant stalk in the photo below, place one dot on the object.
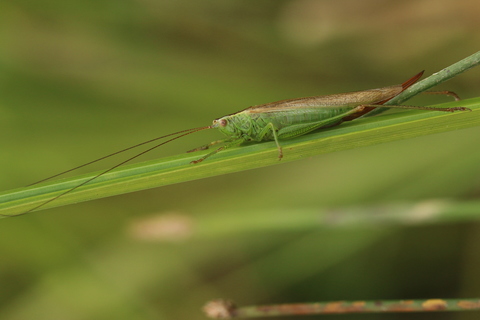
(223, 309)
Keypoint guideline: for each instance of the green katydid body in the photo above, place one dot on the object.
(295, 117)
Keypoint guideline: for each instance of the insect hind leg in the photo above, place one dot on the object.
(447, 93)
(452, 109)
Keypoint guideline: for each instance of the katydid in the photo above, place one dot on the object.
(281, 120)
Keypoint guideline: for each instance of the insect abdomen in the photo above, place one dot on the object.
(282, 119)
(293, 117)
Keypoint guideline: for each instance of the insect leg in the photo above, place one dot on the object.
(421, 108)
(447, 93)
(229, 143)
(206, 146)
(271, 128)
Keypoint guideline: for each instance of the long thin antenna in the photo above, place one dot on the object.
(117, 152)
(182, 134)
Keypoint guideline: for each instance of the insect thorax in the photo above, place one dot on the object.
(237, 125)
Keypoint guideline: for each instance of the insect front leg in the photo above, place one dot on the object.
(228, 144)
(206, 146)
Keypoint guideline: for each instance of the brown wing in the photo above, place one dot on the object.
(373, 96)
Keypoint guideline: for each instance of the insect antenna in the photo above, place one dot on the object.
(179, 135)
(120, 151)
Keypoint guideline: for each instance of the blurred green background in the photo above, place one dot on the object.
(80, 79)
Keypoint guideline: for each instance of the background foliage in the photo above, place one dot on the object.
(81, 79)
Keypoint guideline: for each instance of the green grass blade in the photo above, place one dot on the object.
(226, 309)
(359, 133)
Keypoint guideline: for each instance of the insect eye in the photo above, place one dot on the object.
(223, 122)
